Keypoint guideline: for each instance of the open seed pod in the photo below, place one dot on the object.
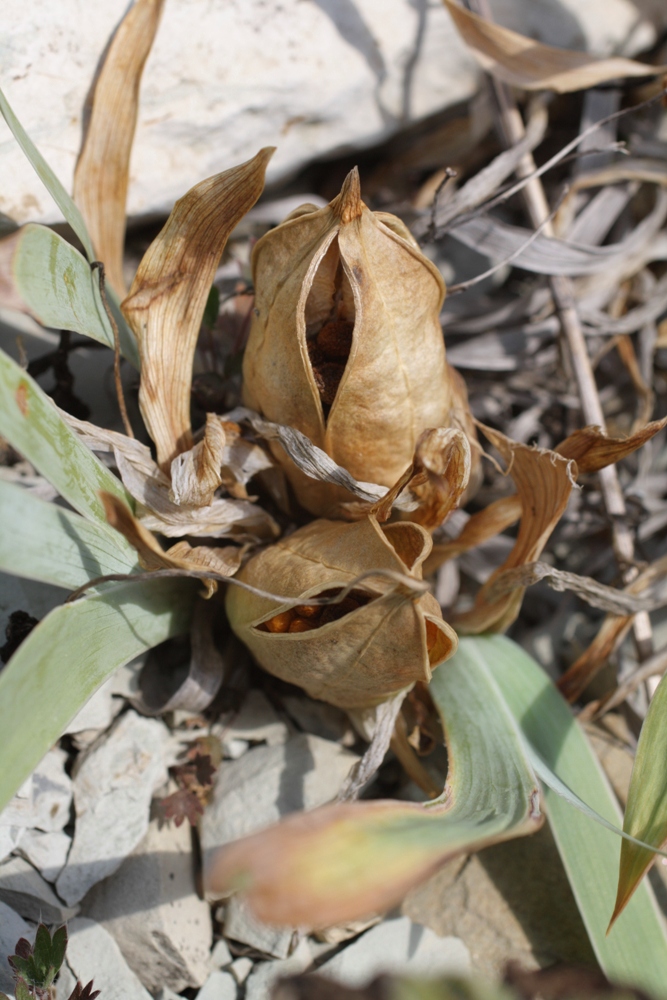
(381, 638)
(346, 345)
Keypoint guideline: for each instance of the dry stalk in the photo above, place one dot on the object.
(564, 300)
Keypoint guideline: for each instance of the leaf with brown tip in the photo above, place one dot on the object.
(544, 482)
(646, 810)
(343, 862)
(101, 175)
(168, 295)
(530, 65)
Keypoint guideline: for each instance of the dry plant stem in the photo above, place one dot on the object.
(654, 666)
(99, 266)
(563, 296)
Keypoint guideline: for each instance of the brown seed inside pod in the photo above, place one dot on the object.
(302, 625)
(327, 379)
(335, 339)
(279, 623)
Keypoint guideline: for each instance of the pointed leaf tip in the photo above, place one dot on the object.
(348, 203)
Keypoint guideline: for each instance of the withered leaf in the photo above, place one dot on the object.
(102, 170)
(168, 296)
(592, 450)
(149, 485)
(224, 561)
(181, 805)
(530, 65)
(544, 481)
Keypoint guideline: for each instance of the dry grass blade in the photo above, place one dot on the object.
(101, 175)
(169, 292)
(596, 594)
(614, 627)
(525, 63)
(544, 482)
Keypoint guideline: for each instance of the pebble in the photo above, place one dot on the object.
(241, 968)
(24, 889)
(93, 954)
(268, 782)
(397, 946)
(12, 927)
(218, 986)
(221, 956)
(113, 788)
(151, 908)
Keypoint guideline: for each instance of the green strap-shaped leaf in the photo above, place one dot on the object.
(74, 217)
(69, 654)
(47, 177)
(32, 425)
(346, 860)
(59, 289)
(646, 809)
(636, 949)
(42, 541)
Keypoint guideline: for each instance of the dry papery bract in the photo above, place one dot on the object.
(389, 634)
(346, 345)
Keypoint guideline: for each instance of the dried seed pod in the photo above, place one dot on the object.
(346, 344)
(382, 637)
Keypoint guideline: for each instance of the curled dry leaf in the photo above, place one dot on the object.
(379, 640)
(147, 484)
(544, 482)
(592, 450)
(346, 345)
(182, 555)
(485, 524)
(102, 170)
(168, 295)
(523, 62)
(196, 474)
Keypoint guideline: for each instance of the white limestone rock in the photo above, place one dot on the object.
(24, 889)
(225, 79)
(93, 954)
(241, 925)
(12, 927)
(401, 947)
(112, 794)
(241, 968)
(270, 781)
(99, 711)
(221, 956)
(257, 722)
(151, 908)
(260, 981)
(46, 851)
(218, 986)
(43, 801)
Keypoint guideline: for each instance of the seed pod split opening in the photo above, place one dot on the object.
(346, 345)
(381, 638)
